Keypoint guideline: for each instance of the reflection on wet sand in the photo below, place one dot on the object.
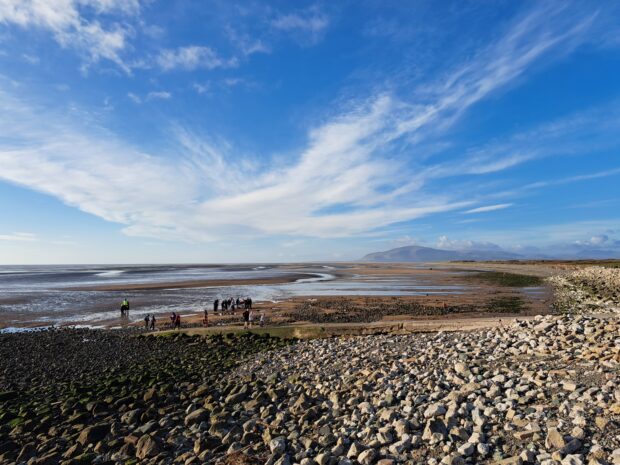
(91, 296)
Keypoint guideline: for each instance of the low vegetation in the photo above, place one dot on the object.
(507, 304)
(499, 278)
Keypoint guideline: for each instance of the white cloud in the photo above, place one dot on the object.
(553, 238)
(19, 237)
(597, 240)
(160, 95)
(32, 59)
(134, 98)
(600, 239)
(308, 26)
(154, 95)
(444, 242)
(237, 82)
(252, 47)
(340, 183)
(193, 57)
(202, 88)
(121, 184)
(66, 20)
(313, 23)
(488, 208)
(232, 82)
(551, 241)
(542, 31)
(572, 179)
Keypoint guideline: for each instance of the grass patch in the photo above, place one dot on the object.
(15, 422)
(505, 305)
(507, 279)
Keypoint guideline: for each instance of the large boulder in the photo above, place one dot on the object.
(146, 447)
(93, 434)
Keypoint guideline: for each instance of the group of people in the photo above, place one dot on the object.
(149, 322)
(225, 305)
(175, 320)
(232, 304)
(248, 318)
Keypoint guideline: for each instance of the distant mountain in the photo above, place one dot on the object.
(415, 253)
(597, 254)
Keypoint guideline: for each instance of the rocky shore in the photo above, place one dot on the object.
(78, 396)
(592, 289)
(543, 391)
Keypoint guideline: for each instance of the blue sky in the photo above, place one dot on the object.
(193, 131)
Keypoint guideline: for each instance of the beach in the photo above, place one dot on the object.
(329, 380)
(91, 296)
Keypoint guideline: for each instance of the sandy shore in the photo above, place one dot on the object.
(466, 297)
(397, 325)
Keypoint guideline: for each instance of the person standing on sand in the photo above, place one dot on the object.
(177, 321)
(173, 319)
(261, 322)
(216, 304)
(124, 307)
(205, 320)
(153, 322)
(250, 317)
(246, 319)
(147, 320)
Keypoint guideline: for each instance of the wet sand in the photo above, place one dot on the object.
(438, 286)
(194, 284)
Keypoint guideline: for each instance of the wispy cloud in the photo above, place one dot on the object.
(154, 95)
(202, 88)
(158, 95)
(308, 25)
(193, 57)
(19, 237)
(541, 31)
(313, 23)
(341, 182)
(488, 208)
(572, 179)
(32, 59)
(71, 29)
(134, 98)
(232, 82)
(337, 167)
